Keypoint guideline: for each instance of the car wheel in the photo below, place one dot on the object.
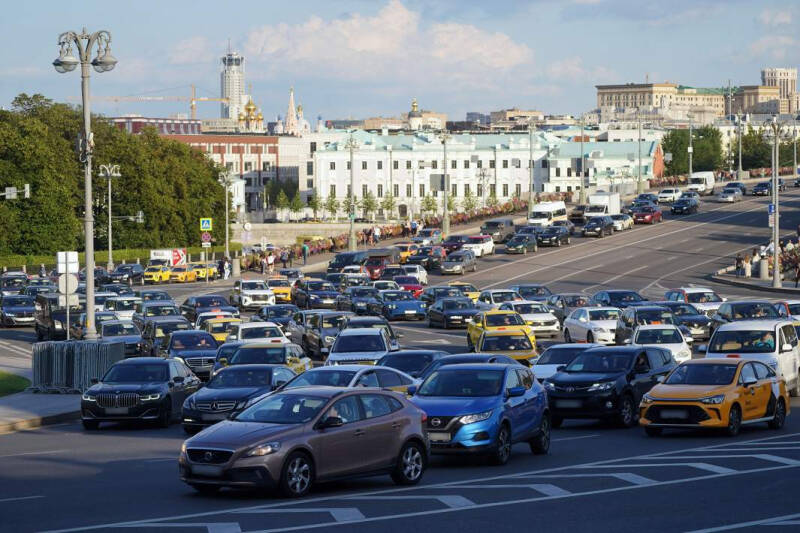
(780, 415)
(297, 475)
(165, 414)
(410, 465)
(556, 421)
(653, 432)
(589, 337)
(568, 240)
(502, 447)
(567, 336)
(540, 444)
(734, 421)
(627, 412)
(90, 425)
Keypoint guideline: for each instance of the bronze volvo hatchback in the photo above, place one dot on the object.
(295, 438)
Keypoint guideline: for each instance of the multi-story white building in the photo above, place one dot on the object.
(232, 85)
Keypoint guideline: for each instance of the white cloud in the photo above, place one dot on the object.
(775, 17)
(776, 47)
(191, 51)
(572, 69)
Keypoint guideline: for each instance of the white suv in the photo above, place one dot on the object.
(359, 346)
(480, 245)
(669, 195)
(251, 294)
(257, 332)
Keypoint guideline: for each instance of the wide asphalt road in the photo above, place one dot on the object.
(596, 478)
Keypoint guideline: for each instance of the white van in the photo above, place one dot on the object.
(545, 213)
(702, 183)
(773, 342)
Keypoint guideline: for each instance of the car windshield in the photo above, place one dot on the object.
(357, 292)
(455, 258)
(702, 297)
(493, 225)
(334, 321)
(398, 296)
(17, 301)
(14, 282)
(329, 378)
(518, 239)
(600, 362)
(358, 343)
(320, 286)
(232, 378)
(406, 280)
(277, 312)
(462, 383)
(261, 355)
(278, 283)
(155, 295)
(576, 300)
(193, 341)
(658, 336)
(426, 232)
(179, 269)
(653, 316)
(683, 309)
(702, 374)
(211, 301)
(283, 409)
(504, 319)
(446, 293)
(618, 217)
(261, 332)
(254, 286)
(501, 343)
(529, 309)
(477, 240)
(162, 330)
(153, 269)
(222, 327)
(552, 230)
(742, 341)
(161, 310)
(625, 297)
(753, 310)
(376, 261)
(559, 355)
(409, 363)
(603, 314)
(504, 296)
(451, 305)
(139, 373)
(122, 305)
(118, 330)
(730, 191)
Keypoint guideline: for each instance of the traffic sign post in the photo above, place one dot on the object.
(206, 224)
(206, 237)
(205, 244)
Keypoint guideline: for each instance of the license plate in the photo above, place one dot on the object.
(206, 470)
(439, 437)
(411, 312)
(117, 411)
(214, 416)
(327, 301)
(568, 404)
(679, 414)
(456, 317)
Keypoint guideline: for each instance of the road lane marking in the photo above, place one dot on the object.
(3, 500)
(609, 280)
(635, 479)
(340, 514)
(213, 527)
(775, 520)
(576, 438)
(452, 501)
(700, 466)
(50, 452)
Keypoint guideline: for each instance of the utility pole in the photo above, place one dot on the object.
(391, 188)
(730, 114)
(690, 145)
(352, 244)
(446, 217)
(776, 129)
(582, 197)
(109, 172)
(739, 122)
(226, 180)
(530, 167)
(640, 183)
(794, 150)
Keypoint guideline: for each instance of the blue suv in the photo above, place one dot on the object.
(484, 409)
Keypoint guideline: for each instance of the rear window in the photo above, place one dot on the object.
(510, 319)
(559, 356)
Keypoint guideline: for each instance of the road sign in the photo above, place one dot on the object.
(68, 300)
(772, 220)
(11, 193)
(178, 256)
(771, 209)
(206, 236)
(206, 224)
(67, 283)
(205, 244)
(67, 262)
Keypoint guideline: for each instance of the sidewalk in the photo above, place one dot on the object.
(725, 276)
(26, 410)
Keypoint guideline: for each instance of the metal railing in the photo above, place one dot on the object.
(70, 366)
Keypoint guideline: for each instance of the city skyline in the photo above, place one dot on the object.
(358, 59)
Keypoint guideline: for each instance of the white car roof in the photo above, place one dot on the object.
(741, 325)
(347, 332)
(656, 326)
(609, 308)
(523, 302)
(246, 325)
(696, 289)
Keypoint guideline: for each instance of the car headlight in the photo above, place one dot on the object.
(263, 449)
(647, 399)
(10, 314)
(605, 385)
(189, 403)
(715, 400)
(599, 330)
(548, 385)
(183, 447)
(477, 417)
(150, 397)
(314, 297)
(88, 397)
(392, 306)
(330, 339)
(685, 354)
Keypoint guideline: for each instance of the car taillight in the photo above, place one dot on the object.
(733, 356)
(424, 417)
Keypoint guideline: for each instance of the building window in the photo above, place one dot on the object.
(265, 165)
(466, 163)
(408, 164)
(364, 190)
(409, 191)
(421, 164)
(396, 164)
(492, 190)
(380, 165)
(363, 165)
(310, 183)
(480, 163)
(569, 172)
(466, 189)
(309, 168)
(479, 188)
(558, 188)
(518, 189)
(332, 192)
(396, 190)
(453, 163)
(435, 193)
(380, 190)
(229, 166)
(491, 163)
(248, 167)
(505, 163)
(434, 164)
(505, 190)
(455, 190)
(333, 165)
(545, 164)
(313, 147)
(421, 190)
(348, 165)
(558, 172)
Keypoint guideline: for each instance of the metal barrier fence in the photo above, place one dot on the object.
(69, 366)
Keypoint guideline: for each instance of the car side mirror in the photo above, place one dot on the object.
(331, 422)
(515, 391)
(231, 338)
(178, 379)
(688, 339)
(94, 381)
(786, 347)
(726, 299)
(411, 390)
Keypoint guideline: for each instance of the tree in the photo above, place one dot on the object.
(469, 202)
(756, 151)
(369, 204)
(451, 204)
(296, 205)
(332, 206)
(706, 150)
(267, 194)
(388, 205)
(429, 204)
(492, 200)
(349, 205)
(282, 202)
(315, 203)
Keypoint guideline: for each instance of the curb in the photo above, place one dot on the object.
(747, 285)
(38, 421)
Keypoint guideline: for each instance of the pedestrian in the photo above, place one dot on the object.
(377, 233)
(414, 228)
(271, 263)
(263, 265)
(227, 268)
(291, 257)
(42, 271)
(305, 253)
(748, 265)
(221, 267)
(739, 265)
(284, 257)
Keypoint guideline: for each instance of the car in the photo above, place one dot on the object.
(517, 343)
(316, 294)
(382, 258)
(739, 185)
(123, 306)
(264, 332)
(377, 322)
(565, 224)
(391, 271)
(320, 331)
(703, 298)
(337, 279)
(742, 310)
(668, 336)
(499, 229)
(157, 274)
(281, 289)
(33, 290)
(562, 304)
(788, 308)
(648, 197)
(557, 356)
(667, 196)
(406, 249)
(251, 294)
(428, 236)
(359, 345)
(529, 231)
(201, 269)
(689, 316)
(147, 389)
(691, 194)
(195, 305)
(537, 315)
(467, 289)
(123, 331)
(492, 298)
(357, 299)
(720, 394)
(100, 299)
(763, 188)
(17, 310)
(458, 262)
(411, 362)
(292, 275)
(78, 327)
(149, 309)
(385, 285)
(620, 298)
(451, 312)
(51, 318)
(633, 317)
(290, 438)
(454, 243)
(428, 257)
(128, 273)
(264, 353)
(197, 349)
(493, 320)
(521, 244)
(202, 318)
(410, 284)
(606, 383)
(599, 226)
(592, 324)
(430, 295)
(729, 195)
(153, 295)
(773, 342)
(638, 204)
(183, 274)
(578, 214)
(532, 292)
(345, 259)
(119, 289)
(100, 276)
(280, 314)
(499, 405)
(622, 222)
(400, 305)
(156, 330)
(220, 328)
(418, 271)
(230, 391)
(647, 215)
(350, 376)
(685, 206)
(480, 245)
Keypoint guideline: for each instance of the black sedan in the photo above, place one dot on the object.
(412, 362)
(360, 300)
(197, 349)
(599, 226)
(279, 314)
(316, 294)
(120, 289)
(763, 188)
(429, 257)
(138, 389)
(100, 276)
(689, 316)
(129, 273)
(230, 391)
(521, 244)
(451, 312)
(454, 242)
(685, 206)
(553, 236)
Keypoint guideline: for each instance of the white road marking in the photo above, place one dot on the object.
(635, 479)
(575, 438)
(340, 514)
(776, 520)
(581, 271)
(609, 280)
(700, 466)
(453, 501)
(218, 527)
(49, 452)
(762, 456)
(20, 498)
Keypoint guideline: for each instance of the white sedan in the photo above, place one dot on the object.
(537, 315)
(258, 331)
(730, 195)
(622, 222)
(665, 336)
(480, 245)
(669, 195)
(494, 298)
(593, 324)
(418, 271)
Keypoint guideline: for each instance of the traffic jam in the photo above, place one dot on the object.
(285, 381)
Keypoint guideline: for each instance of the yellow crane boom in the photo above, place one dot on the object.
(193, 99)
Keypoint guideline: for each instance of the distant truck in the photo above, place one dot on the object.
(702, 183)
(602, 203)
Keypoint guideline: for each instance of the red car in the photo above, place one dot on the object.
(410, 284)
(647, 215)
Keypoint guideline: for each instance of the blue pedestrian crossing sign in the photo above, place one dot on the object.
(771, 209)
(206, 224)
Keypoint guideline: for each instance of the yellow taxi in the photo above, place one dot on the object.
(469, 290)
(721, 393)
(201, 269)
(281, 288)
(516, 343)
(493, 321)
(272, 353)
(221, 327)
(407, 249)
(156, 274)
(213, 271)
(183, 274)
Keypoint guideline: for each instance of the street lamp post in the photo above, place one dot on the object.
(446, 216)
(774, 129)
(391, 182)
(739, 131)
(103, 62)
(226, 180)
(639, 183)
(532, 186)
(352, 244)
(794, 150)
(110, 172)
(582, 197)
(691, 150)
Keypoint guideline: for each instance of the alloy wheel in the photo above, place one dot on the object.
(412, 463)
(298, 475)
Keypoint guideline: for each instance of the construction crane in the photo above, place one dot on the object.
(193, 99)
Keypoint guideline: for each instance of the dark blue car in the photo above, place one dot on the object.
(125, 332)
(17, 311)
(358, 300)
(198, 349)
(484, 409)
(279, 314)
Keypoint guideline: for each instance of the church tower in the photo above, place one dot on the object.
(290, 124)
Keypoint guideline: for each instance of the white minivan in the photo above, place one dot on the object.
(773, 342)
(545, 213)
(702, 183)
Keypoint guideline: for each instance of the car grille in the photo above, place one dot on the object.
(444, 421)
(200, 361)
(695, 414)
(24, 314)
(572, 388)
(125, 399)
(216, 407)
(215, 457)
(543, 323)
(261, 298)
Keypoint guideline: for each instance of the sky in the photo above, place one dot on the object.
(358, 58)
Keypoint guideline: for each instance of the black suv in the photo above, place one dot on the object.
(606, 383)
(553, 236)
(632, 317)
(689, 316)
(685, 206)
(619, 298)
(130, 274)
(599, 226)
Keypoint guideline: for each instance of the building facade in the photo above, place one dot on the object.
(757, 99)
(232, 85)
(665, 100)
(165, 126)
